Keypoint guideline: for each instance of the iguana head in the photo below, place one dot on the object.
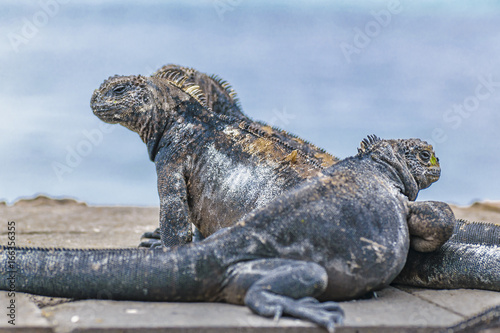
(413, 159)
(136, 101)
(146, 105)
(123, 99)
(421, 161)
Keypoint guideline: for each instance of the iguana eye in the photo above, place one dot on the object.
(119, 90)
(425, 156)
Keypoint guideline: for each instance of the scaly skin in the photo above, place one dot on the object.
(469, 259)
(212, 169)
(219, 97)
(339, 235)
(446, 268)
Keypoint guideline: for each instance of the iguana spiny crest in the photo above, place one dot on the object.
(218, 95)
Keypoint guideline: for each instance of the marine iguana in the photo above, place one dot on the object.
(337, 236)
(210, 166)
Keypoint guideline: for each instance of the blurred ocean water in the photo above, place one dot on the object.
(331, 72)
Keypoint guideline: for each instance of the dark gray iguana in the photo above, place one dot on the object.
(339, 235)
(211, 167)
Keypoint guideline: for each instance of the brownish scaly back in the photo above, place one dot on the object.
(218, 95)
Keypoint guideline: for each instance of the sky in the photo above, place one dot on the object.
(331, 72)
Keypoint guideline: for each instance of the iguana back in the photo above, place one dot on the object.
(220, 97)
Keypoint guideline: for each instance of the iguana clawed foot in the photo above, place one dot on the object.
(327, 314)
(151, 239)
(431, 224)
(287, 290)
(150, 243)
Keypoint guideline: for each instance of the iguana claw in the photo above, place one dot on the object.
(151, 239)
(150, 243)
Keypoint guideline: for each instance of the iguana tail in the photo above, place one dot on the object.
(469, 259)
(188, 273)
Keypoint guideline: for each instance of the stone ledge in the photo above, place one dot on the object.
(393, 311)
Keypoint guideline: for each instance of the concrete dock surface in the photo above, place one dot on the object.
(46, 222)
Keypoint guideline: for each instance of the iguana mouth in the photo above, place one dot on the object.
(106, 113)
(434, 173)
(431, 176)
(101, 108)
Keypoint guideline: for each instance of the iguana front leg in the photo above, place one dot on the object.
(175, 226)
(430, 223)
(277, 287)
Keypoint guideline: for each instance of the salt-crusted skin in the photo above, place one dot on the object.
(336, 236)
(428, 222)
(215, 93)
(220, 97)
(240, 164)
(213, 167)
